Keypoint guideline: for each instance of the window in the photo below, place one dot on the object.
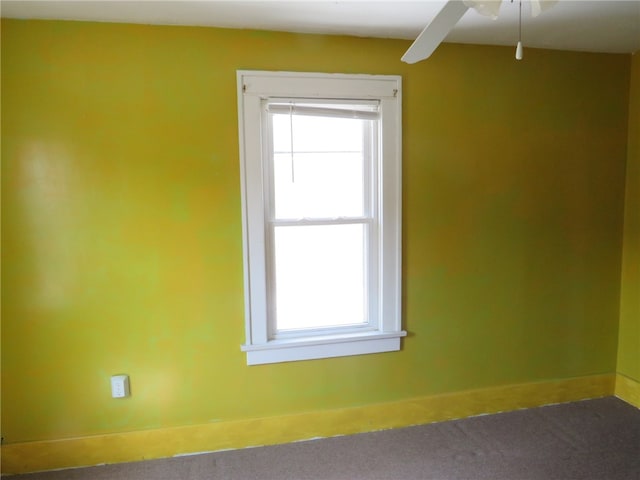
(321, 187)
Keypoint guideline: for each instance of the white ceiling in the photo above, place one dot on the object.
(587, 25)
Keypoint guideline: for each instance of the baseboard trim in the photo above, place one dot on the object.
(628, 389)
(168, 442)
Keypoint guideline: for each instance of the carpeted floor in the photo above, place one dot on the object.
(593, 439)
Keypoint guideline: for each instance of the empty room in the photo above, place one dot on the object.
(320, 240)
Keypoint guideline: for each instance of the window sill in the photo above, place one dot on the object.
(308, 348)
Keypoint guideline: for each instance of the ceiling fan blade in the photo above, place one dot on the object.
(435, 31)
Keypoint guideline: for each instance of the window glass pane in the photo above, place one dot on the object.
(320, 276)
(318, 185)
(324, 175)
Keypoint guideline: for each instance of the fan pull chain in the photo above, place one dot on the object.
(519, 46)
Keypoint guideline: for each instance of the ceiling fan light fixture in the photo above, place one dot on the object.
(488, 8)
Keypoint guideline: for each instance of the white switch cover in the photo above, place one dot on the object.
(120, 386)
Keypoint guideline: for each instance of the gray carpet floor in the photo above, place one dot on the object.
(592, 439)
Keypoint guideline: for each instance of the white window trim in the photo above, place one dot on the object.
(253, 88)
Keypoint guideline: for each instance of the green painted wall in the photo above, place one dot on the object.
(121, 224)
(629, 335)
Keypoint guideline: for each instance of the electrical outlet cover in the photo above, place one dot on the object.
(119, 386)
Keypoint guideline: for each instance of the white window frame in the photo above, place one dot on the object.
(262, 346)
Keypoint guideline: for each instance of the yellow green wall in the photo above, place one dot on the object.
(629, 335)
(122, 237)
